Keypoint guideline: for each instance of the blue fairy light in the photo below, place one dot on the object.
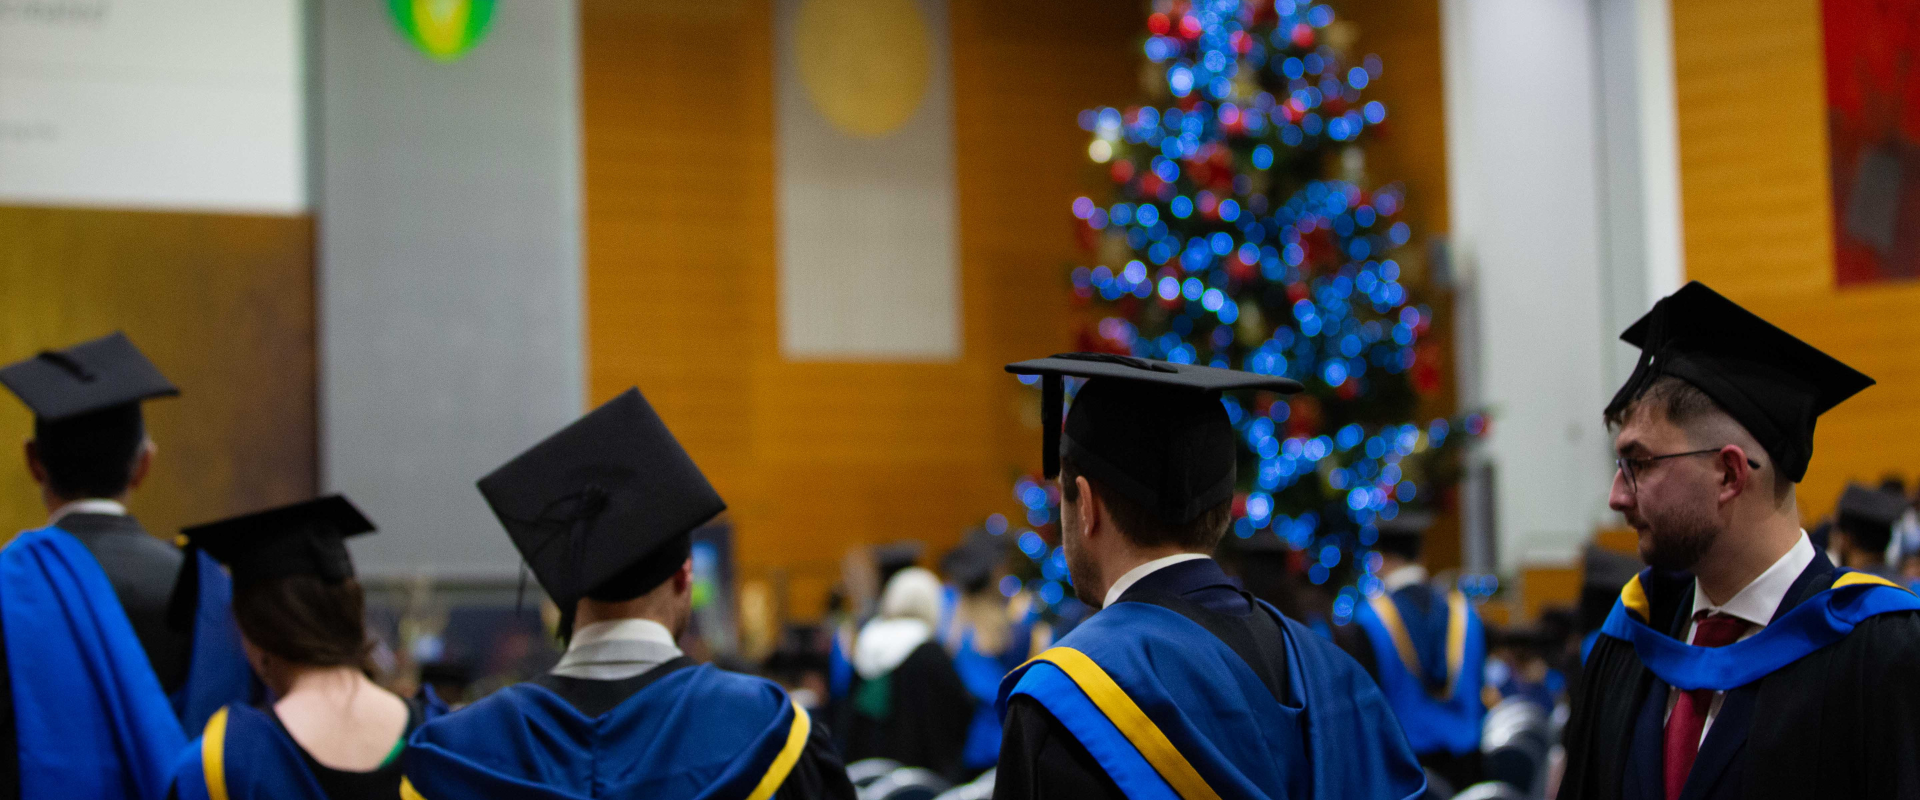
(1052, 593)
(1009, 585)
(1031, 544)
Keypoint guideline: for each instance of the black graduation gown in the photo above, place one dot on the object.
(1844, 721)
(819, 774)
(1040, 758)
(143, 571)
(928, 716)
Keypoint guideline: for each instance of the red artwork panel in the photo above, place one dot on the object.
(1873, 124)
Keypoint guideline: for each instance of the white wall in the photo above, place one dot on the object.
(449, 274)
(1524, 163)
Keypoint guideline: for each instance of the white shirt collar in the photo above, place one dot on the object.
(1134, 575)
(91, 505)
(1758, 600)
(617, 649)
(631, 630)
(1403, 577)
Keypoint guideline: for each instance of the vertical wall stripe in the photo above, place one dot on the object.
(449, 277)
(867, 226)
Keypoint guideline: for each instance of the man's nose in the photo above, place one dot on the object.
(1619, 498)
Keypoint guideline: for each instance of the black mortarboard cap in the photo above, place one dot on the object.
(1154, 431)
(593, 504)
(1862, 508)
(307, 538)
(1770, 382)
(973, 561)
(1404, 533)
(90, 376)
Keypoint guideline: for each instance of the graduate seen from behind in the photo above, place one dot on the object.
(909, 704)
(116, 643)
(1742, 663)
(1428, 651)
(1181, 685)
(603, 513)
(330, 733)
(1863, 528)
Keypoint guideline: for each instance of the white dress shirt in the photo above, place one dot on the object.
(617, 649)
(1755, 605)
(1134, 575)
(91, 505)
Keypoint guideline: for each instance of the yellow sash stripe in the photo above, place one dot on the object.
(1456, 639)
(1853, 578)
(407, 792)
(789, 755)
(1131, 721)
(1389, 615)
(1634, 597)
(213, 755)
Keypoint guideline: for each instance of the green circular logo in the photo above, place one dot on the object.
(443, 29)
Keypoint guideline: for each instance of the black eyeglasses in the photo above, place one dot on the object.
(1629, 465)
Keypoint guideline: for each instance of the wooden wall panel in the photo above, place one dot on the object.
(816, 457)
(223, 304)
(1756, 217)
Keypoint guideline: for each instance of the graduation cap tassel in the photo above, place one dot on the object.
(1052, 397)
(520, 594)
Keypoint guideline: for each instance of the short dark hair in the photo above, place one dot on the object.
(306, 620)
(1683, 403)
(1141, 525)
(90, 455)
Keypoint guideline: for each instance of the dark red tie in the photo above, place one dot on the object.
(1689, 715)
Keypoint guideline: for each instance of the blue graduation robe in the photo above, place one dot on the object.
(1189, 688)
(243, 754)
(689, 732)
(1430, 656)
(1823, 702)
(89, 717)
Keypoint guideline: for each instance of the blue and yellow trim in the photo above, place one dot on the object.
(1133, 723)
(1389, 615)
(213, 755)
(1815, 623)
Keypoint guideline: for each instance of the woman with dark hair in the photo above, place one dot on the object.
(330, 733)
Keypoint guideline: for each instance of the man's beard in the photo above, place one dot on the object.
(1080, 566)
(1678, 540)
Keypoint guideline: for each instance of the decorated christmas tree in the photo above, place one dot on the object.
(1237, 227)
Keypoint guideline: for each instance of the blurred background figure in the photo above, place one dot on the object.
(447, 682)
(908, 702)
(1863, 528)
(1429, 654)
(986, 634)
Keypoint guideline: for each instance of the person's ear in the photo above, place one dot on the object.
(683, 577)
(142, 464)
(34, 467)
(1092, 512)
(1736, 473)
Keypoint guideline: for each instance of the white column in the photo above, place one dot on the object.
(1526, 188)
(449, 273)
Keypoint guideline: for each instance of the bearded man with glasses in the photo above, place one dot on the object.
(1741, 663)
